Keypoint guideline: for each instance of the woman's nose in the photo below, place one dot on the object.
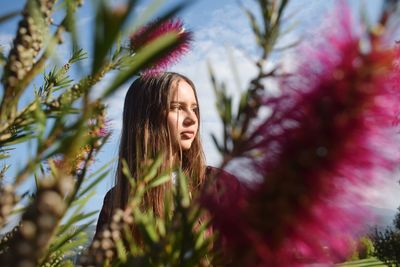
(190, 118)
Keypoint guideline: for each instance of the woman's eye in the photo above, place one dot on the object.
(176, 107)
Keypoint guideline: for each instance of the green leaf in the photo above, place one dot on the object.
(77, 55)
(90, 186)
(73, 220)
(217, 144)
(153, 169)
(254, 25)
(183, 191)
(77, 137)
(67, 263)
(109, 22)
(101, 169)
(40, 121)
(9, 15)
(121, 252)
(159, 181)
(142, 58)
(147, 227)
(81, 202)
(3, 58)
(127, 173)
(77, 206)
(4, 156)
(227, 118)
(70, 22)
(65, 241)
(244, 98)
(17, 139)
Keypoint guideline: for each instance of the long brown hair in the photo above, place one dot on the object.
(145, 135)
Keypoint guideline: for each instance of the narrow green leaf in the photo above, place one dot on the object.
(73, 220)
(228, 110)
(3, 58)
(101, 169)
(121, 252)
(90, 186)
(159, 181)
(70, 22)
(183, 189)
(4, 156)
(127, 173)
(217, 144)
(81, 202)
(108, 24)
(63, 240)
(254, 25)
(9, 15)
(142, 58)
(17, 139)
(40, 118)
(148, 228)
(153, 169)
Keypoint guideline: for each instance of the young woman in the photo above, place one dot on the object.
(161, 116)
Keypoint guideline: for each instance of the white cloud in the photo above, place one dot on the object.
(384, 193)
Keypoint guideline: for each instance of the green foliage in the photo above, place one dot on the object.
(177, 238)
(387, 243)
(363, 249)
(10, 15)
(66, 127)
(396, 221)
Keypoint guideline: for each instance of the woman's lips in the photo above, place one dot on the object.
(187, 135)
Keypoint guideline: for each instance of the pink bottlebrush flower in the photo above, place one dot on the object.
(104, 131)
(330, 132)
(100, 127)
(154, 30)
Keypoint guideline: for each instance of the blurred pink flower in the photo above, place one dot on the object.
(154, 30)
(330, 132)
(100, 127)
(103, 132)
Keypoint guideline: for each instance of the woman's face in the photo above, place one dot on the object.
(182, 118)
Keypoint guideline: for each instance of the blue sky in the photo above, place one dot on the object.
(220, 27)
